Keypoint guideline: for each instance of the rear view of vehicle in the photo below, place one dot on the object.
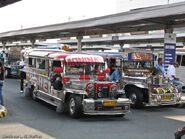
(87, 90)
(145, 88)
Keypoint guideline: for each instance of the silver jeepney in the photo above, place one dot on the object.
(142, 86)
(84, 86)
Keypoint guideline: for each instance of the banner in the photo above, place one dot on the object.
(169, 49)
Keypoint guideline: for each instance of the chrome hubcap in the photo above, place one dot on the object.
(72, 106)
(133, 98)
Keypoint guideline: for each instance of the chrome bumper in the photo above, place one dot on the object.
(97, 107)
(157, 100)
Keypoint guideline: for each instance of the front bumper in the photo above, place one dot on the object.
(106, 107)
(164, 99)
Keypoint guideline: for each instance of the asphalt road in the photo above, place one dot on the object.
(28, 119)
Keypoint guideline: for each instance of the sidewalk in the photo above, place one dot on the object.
(3, 111)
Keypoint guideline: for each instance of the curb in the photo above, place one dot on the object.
(3, 111)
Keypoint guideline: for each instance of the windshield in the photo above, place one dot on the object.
(138, 64)
(92, 70)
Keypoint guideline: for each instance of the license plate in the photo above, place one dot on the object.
(110, 103)
(166, 97)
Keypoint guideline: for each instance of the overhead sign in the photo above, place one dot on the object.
(169, 49)
(139, 56)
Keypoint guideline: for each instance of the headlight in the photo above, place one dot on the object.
(114, 90)
(159, 90)
(100, 88)
(90, 89)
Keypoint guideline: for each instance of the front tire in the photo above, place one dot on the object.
(34, 95)
(75, 106)
(136, 97)
(61, 108)
(27, 92)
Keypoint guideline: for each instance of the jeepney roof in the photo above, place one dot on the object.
(42, 52)
(58, 55)
(110, 55)
(84, 58)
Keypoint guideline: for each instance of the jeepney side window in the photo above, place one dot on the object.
(183, 61)
(32, 62)
(40, 64)
(56, 64)
(178, 60)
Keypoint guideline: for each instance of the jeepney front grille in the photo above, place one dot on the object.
(103, 92)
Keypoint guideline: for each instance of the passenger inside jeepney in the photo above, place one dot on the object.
(55, 75)
(114, 71)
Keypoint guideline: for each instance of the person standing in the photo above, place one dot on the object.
(1, 82)
(171, 73)
(160, 67)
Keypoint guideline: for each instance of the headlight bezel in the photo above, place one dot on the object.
(90, 89)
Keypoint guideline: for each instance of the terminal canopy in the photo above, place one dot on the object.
(7, 2)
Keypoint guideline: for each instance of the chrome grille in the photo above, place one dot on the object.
(103, 92)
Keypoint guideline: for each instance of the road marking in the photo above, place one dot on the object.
(21, 131)
(177, 117)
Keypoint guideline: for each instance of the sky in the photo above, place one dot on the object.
(31, 13)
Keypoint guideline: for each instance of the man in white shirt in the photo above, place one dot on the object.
(171, 73)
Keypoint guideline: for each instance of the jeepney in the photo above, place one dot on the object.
(83, 90)
(142, 86)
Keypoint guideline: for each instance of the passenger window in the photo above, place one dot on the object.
(40, 64)
(183, 61)
(32, 62)
(178, 60)
(56, 64)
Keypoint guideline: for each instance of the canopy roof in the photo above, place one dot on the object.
(145, 19)
(7, 2)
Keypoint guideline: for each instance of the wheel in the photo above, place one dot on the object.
(34, 95)
(75, 106)
(61, 108)
(136, 97)
(27, 92)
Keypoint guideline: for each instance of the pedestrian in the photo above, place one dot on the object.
(171, 73)
(160, 67)
(1, 82)
(22, 77)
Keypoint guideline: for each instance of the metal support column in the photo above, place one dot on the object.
(32, 42)
(121, 47)
(79, 43)
(4, 45)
